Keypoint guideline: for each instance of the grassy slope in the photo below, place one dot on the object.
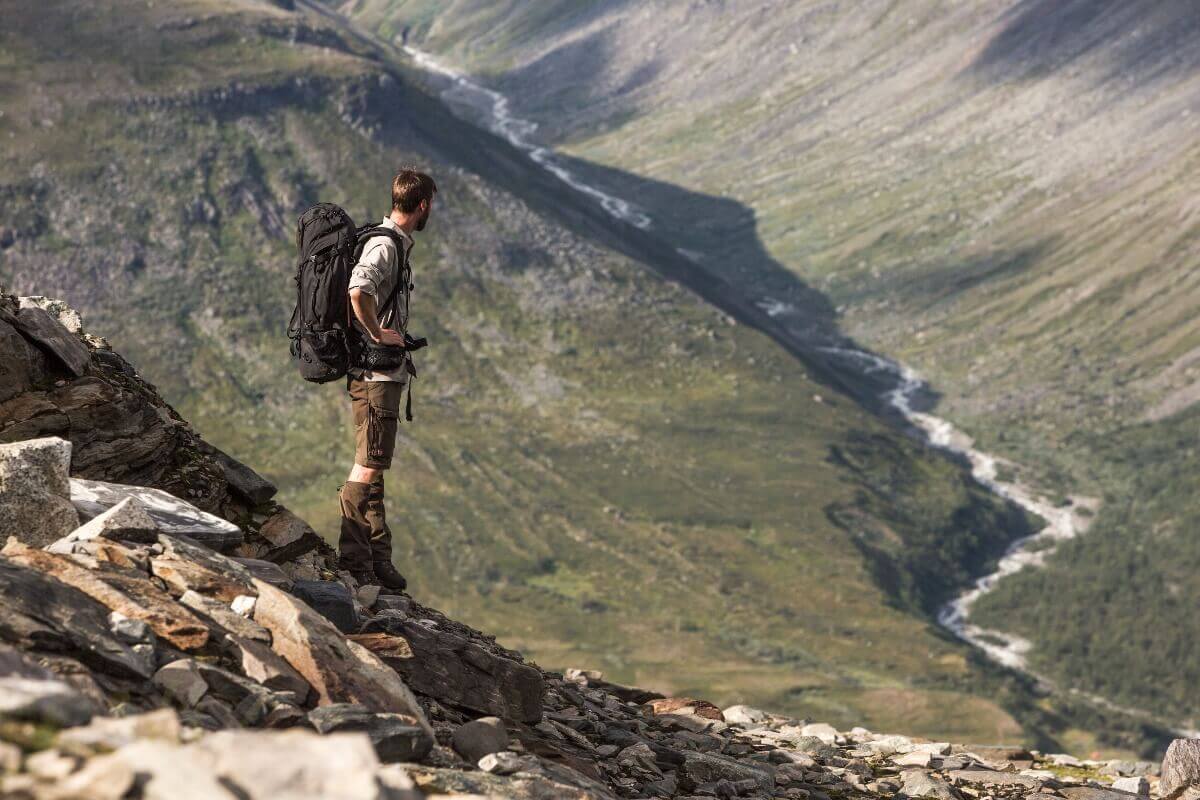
(1001, 196)
(604, 471)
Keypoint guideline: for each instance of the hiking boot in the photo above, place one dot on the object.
(389, 577)
(363, 575)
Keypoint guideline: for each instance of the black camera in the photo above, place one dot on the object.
(411, 344)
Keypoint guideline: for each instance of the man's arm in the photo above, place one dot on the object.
(364, 305)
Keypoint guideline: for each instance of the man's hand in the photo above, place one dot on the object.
(390, 337)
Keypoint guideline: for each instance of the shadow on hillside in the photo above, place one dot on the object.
(707, 244)
(1139, 41)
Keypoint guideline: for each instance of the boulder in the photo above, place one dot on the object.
(252, 703)
(16, 373)
(133, 597)
(185, 566)
(41, 614)
(247, 483)
(1136, 784)
(127, 521)
(29, 691)
(744, 716)
(1181, 771)
(172, 515)
(394, 737)
(182, 681)
(685, 705)
(338, 670)
(918, 783)
(262, 664)
(45, 331)
(330, 599)
(826, 733)
(267, 572)
(480, 737)
(289, 536)
(701, 768)
(35, 495)
(457, 671)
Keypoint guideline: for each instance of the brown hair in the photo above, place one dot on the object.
(409, 188)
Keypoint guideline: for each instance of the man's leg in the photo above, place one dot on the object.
(366, 540)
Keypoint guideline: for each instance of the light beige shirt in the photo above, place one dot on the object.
(377, 272)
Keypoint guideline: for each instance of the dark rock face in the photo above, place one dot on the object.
(455, 670)
(394, 737)
(331, 600)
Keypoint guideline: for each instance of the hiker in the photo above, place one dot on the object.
(379, 290)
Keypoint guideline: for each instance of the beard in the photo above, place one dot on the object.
(420, 226)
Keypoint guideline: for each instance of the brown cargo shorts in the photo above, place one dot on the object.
(376, 407)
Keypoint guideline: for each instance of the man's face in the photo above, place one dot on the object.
(428, 204)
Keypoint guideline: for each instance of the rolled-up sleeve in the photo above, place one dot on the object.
(373, 269)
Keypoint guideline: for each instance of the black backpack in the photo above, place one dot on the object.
(324, 343)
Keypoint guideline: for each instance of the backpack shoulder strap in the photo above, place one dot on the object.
(369, 232)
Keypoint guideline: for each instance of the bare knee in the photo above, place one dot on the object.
(361, 474)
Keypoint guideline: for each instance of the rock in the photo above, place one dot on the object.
(40, 613)
(991, 777)
(503, 763)
(242, 479)
(368, 595)
(51, 765)
(331, 600)
(130, 631)
(16, 371)
(110, 733)
(1095, 793)
(744, 716)
(266, 572)
(394, 737)
(104, 778)
(1063, 760)
(172, 515)
(170, 772)
(293, 764)
(226, 617)
(338, 670)
(826, 733)
(701, 768)
(289, 536)
(127, 521)
(251, 703)
(917, 783)
(68, 317)
(262, 664)
(917, 758)
(49, 701)
(181, 680)
(244, 605)
(457, 671)
(480, 737)
(49, 334)
(185, 567)
(1134, 785)
(134, 598)
(685, 705)
(35, 492)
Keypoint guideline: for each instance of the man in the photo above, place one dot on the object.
(380, 278)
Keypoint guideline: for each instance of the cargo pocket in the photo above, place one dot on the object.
(381, 432)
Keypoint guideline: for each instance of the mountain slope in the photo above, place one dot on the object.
(1001, 195)
(598, 456)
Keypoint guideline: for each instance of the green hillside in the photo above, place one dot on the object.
(1001, 195)
(604, 470)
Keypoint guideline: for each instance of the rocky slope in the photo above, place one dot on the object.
(604, 469)
(1000, 195)
(171, 649)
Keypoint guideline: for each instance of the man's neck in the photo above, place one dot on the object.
(405, 222)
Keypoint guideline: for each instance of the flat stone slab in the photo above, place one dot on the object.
(243, 480)
(331, 600)
(991, 777)
(172, 515)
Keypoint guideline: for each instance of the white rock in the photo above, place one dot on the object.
(244, 604)
(1064, 760)
(745, 715)
(1136, 785)
(503, 763)
(171, 514)
(130, 631)
(825, 732)
(917, 758)
(35, 491)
